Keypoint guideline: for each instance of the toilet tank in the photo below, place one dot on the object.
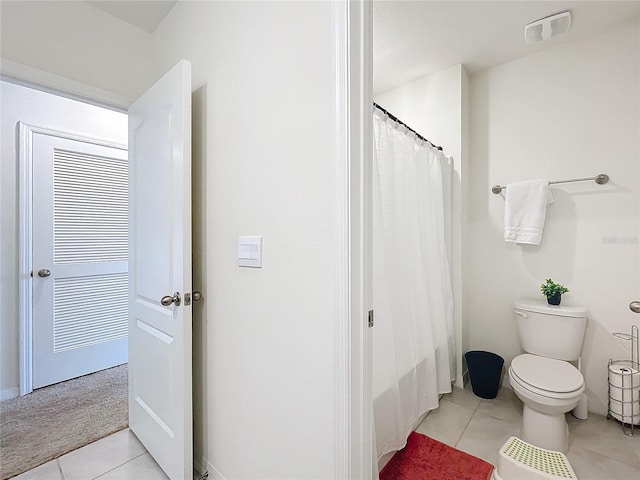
(549, 330)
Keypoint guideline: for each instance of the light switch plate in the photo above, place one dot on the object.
(250, 251)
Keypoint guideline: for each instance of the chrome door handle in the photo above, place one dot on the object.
(167, 300)
(197, 296)
(635, 306)
(44, 272)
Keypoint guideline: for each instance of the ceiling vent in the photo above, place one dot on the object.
(548, 27)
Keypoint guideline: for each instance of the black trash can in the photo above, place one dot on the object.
(485, 369)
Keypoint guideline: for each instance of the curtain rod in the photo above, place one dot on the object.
(397, 120)
(599, 179)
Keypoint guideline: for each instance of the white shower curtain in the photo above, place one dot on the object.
(414, 340)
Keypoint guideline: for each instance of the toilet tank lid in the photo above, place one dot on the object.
(541, 306)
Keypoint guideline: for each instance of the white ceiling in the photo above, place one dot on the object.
(413, 39)
(145, 14)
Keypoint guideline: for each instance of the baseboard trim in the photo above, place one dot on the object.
(9, 393)
(465, 378)
(213, 472)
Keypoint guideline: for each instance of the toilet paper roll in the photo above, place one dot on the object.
(635, 420)
(624, 394)
(624, 374)
(624, 391)
(625, 409)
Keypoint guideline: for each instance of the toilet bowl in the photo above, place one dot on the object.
(548, 388)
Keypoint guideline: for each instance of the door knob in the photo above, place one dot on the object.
(197, 296)
(167, 300)
(635, 307)
(44, 272)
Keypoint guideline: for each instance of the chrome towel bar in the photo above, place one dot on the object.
(599, 179)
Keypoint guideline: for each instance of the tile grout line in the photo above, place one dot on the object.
(122, 464)
(467, 425)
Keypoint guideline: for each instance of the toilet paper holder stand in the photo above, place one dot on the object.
(624, 386)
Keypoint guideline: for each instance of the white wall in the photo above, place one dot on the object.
(270, 141)
(433, 106)
(265, 145)
(566, 112)
(78, 42)
(21, 104)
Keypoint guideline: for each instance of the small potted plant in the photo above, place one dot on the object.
(553, 291)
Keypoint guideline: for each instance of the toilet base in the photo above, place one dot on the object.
(545, 430)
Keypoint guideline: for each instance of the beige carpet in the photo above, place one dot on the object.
(60, 418)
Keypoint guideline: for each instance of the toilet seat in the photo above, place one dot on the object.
(546, 376)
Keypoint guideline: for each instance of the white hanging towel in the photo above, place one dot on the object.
(525, 209)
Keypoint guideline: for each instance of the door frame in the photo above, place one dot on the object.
(25, 244)
(355, 457)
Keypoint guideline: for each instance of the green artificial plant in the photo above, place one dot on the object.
(550, 289)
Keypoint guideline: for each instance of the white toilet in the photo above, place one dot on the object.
(545, 381)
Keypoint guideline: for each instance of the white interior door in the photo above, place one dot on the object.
(160, 409)
(79, 286)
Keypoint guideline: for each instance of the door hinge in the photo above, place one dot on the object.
(370, 318)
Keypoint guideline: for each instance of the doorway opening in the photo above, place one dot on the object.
(69, 185)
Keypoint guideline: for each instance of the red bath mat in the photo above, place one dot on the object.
(427, 459)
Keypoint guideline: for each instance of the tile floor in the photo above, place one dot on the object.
(117, 457)
(598, 449)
